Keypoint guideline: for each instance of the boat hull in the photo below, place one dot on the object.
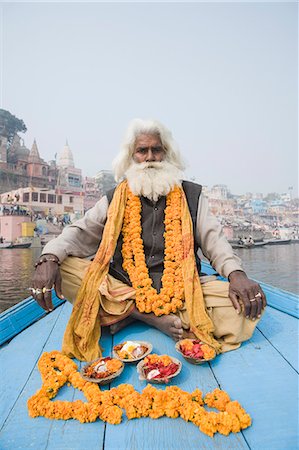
(25, 245)
(256, 244)
(5, 245)
(278, 241)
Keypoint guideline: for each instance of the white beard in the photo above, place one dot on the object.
(153, 179)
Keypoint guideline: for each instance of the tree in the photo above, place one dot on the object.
(10, 125)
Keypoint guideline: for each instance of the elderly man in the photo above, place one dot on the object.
(134, 256)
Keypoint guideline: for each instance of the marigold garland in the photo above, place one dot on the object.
(57, 369)
(170, 298)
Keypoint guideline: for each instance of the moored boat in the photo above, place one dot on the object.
(278, 241)
(244, 245)
(20, 245)
(5, 244)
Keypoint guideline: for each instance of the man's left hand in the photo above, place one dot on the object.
(246, 292)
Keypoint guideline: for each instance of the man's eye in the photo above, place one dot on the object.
(142, 150)
(157, 149)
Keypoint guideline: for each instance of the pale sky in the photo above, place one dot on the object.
(222, 76)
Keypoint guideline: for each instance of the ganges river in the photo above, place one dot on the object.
(277, 265)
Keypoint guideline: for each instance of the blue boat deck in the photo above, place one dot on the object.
(261, 375)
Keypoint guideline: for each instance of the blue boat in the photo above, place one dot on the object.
(262, 375)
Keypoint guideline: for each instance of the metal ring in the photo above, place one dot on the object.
(252, 299)
(38, 291)
(258, 295)
(44, 290)
(32, 290)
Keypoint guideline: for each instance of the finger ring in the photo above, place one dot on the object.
(32, 290)
(258, 295)
(252, 299)
(44, 290)
(38, 291)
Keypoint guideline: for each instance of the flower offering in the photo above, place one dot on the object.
(131, 351)
(195, 351)
(159, 368)
(102, 368)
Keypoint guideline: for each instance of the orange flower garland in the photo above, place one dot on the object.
(57, 369)
(170, 298)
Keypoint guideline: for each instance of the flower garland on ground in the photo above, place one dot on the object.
(170, 298)
(57, 369)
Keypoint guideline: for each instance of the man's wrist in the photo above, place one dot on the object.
(47, 257)
(236, 274)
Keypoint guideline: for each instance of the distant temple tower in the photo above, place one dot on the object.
(66, 158)
(70, 178)
(36, 166)
(21, 167)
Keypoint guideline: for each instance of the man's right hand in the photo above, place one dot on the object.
(46, 275)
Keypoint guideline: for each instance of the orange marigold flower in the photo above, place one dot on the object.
(217, 399)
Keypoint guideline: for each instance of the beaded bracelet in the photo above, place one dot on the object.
(45, 258)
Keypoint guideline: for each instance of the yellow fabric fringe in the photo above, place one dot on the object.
(82, 334)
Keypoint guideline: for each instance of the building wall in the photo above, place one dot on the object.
(10, 180)
(48, 201)
(11, 226)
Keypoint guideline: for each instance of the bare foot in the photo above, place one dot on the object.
(170, 324)
(115, 327)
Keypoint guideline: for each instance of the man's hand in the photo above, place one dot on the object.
(46, 275)
(246, 292)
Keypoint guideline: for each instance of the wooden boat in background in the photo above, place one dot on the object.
(278, 241)
(5, 244)
(262, 375)
(15, 245)
(21, 245)
(244, 245)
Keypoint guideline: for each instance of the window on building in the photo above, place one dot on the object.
(34, 196)
(71, 199)
(26, 197)
(74, 180)
(43, 198)
(51, 198)
(59, 199)
(44, 171)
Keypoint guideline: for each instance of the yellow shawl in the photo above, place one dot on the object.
(83, 331)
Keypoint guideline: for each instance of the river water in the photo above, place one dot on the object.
(276, 264)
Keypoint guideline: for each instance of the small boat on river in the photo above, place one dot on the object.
(16, 245)
(278, 241)
(5, 244)
(244, 245)
(21, 245)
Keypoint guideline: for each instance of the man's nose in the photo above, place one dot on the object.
(150, 156)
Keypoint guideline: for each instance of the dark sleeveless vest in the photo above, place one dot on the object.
(152, 220)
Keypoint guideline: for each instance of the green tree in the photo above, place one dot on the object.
(10, 125)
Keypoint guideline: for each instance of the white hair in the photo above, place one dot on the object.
(123, 160)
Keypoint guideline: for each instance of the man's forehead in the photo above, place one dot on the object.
(147, 138)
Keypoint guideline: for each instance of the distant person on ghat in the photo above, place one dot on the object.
(134, 256)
